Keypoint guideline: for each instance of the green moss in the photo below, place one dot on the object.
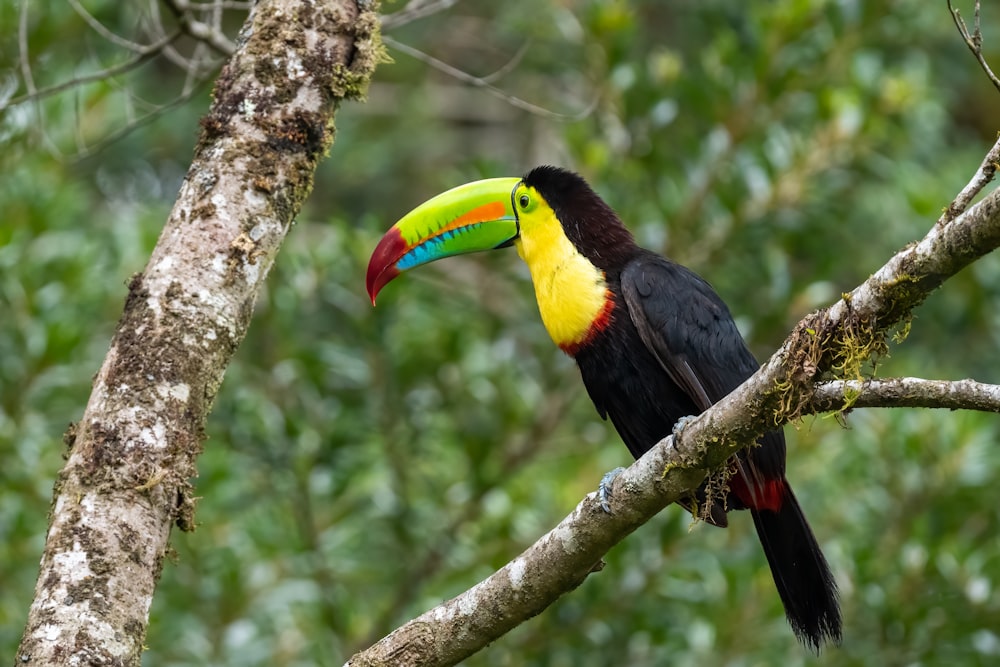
(716, 489)
(855, 345)
(903, 330)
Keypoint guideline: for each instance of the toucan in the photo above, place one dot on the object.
(653, 341)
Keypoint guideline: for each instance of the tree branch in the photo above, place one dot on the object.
(140, 57)
(133, 124)
(415, 9)
(485, 84)
(835, 341)
(973, 40)
(105, 32)
(906, 393)
(987, 170)
(126, 480)
(200, 30)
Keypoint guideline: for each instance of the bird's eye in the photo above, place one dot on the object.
(523, 201)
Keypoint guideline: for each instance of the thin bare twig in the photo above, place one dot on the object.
(193, 75)
(509, 66)
(415, 9)
(197, 66)
(479, 82)
(991, 162)
(23, 51)
(199, 29)
(973, 40)
(103, 31)
(24, 55)
(169, 52)
(233, 5)
(135, 61)
(139, 122)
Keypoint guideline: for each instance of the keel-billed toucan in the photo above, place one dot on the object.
(653, 341)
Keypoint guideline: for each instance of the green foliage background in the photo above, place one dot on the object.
(363, 465)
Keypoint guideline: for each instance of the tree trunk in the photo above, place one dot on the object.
(127, 477)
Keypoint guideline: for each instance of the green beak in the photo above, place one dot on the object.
(470, 218)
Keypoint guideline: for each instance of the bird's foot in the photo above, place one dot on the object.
(681, 425)
(604, 488)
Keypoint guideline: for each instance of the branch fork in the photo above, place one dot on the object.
(800, 378)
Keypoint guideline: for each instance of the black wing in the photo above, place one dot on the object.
(687, 327)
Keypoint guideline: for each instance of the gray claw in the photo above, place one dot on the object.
(604, 488)
(681, 425)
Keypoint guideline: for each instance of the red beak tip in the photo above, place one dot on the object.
(382, 265)
(373, 289)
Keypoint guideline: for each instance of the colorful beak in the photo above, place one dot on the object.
(470, 218)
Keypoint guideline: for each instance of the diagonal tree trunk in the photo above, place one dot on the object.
(126, 480)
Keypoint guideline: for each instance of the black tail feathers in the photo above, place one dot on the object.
(801, 573)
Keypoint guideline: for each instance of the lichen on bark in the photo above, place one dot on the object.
(131, 458)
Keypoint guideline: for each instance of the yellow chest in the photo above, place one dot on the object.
(571, 292)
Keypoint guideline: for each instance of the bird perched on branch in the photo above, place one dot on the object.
(653, 341)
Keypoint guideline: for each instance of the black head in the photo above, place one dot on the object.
(588, 222)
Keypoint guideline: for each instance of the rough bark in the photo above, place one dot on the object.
(132, 456)
(829, 344)
(906, 393)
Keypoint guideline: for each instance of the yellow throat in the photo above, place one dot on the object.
(571, 292)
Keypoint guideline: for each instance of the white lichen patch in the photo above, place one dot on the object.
(72, 565)
(205, 179)
(516, 572)
(154, 436)
(126, 416)
(254, 199)
(87, 503)
(470, 602)
(257, 231)
(165, 264)
(59, 506)
(102, 633)
(153, 303)
(566, 538)
(220, 201)
(50, 632)
(178, 392)
(182, 209)
(251, 272)
(247, 108)
(294, 68)
(308, 98)
(217, 302)
(99, 394)
(442, 613)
